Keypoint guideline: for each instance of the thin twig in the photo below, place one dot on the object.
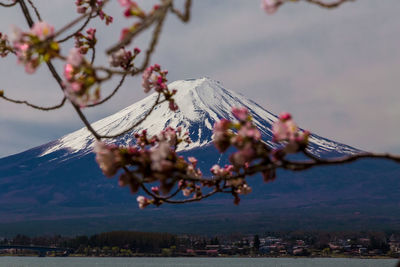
(185, 17)
(78, 19)
(147, 22)
(78, 30)
(153, 42)
(328, 5)
(8, 5)
(111, 95)
(33, 105)
(35, 9)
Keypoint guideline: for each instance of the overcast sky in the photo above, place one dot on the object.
(337, 72)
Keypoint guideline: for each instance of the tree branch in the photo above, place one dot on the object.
(147, 22)
(33, 105)
(8, 5)
(185, 17)
(328, 5)
(78, 30)
(35, 9)
(110, 95)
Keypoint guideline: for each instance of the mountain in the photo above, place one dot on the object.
(58, 187)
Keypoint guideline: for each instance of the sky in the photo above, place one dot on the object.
(337, 71)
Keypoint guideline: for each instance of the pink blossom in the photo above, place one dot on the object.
(120, 58)
(243, 156)
(218, 171)
(158, 156)
(42, 30)
(284, 129)
(68, 71)
(242, 114)
(187, 192)
(271, 6)
(108, 158)
(81, 9)
(91, 33)
(172, 105)
(30, 66)
(74, 58)
(149, 78)
(155, 189)
(193, 160)
(221, 137)
(247, 130)
(143, 202)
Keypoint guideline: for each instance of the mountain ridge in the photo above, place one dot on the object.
(201, 103)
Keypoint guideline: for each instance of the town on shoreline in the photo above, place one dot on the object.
(273, 244)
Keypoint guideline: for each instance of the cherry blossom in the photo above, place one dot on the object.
(271, 6)
(35, 46)
(143, 202)
(108, 158)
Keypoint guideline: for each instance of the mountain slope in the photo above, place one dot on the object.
(61, 182)
(201, 102)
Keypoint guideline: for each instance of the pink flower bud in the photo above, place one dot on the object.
(142, 201)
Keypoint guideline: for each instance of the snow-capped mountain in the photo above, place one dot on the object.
(201, 102)
(60, 184)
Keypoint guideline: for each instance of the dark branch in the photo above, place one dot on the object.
(78, 30)
(146, 23)
(35, 9)
(185, 17)
(33, 105)
(328, 5)
(8, 5)
(111, 95)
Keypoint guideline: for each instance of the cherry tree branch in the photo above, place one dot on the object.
(43, 108)
(153, 42)
(8, 5)
(146, 23)
(66, 38)
(184, 17)
(121, 82)
(56, 76)
(35, 9)
(78, 19)
(328, 5)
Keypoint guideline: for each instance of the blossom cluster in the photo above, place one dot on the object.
(151, 159)
(132, 9)
(154, 160)
(85, 42)
(123, 58)
(83, 5)
(285, 130)
(79, 78)
(243, 135)
(155, 78)
(35, 46)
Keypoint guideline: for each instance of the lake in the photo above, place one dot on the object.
(193, 262)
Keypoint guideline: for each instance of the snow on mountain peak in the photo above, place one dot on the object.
(201, 103)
